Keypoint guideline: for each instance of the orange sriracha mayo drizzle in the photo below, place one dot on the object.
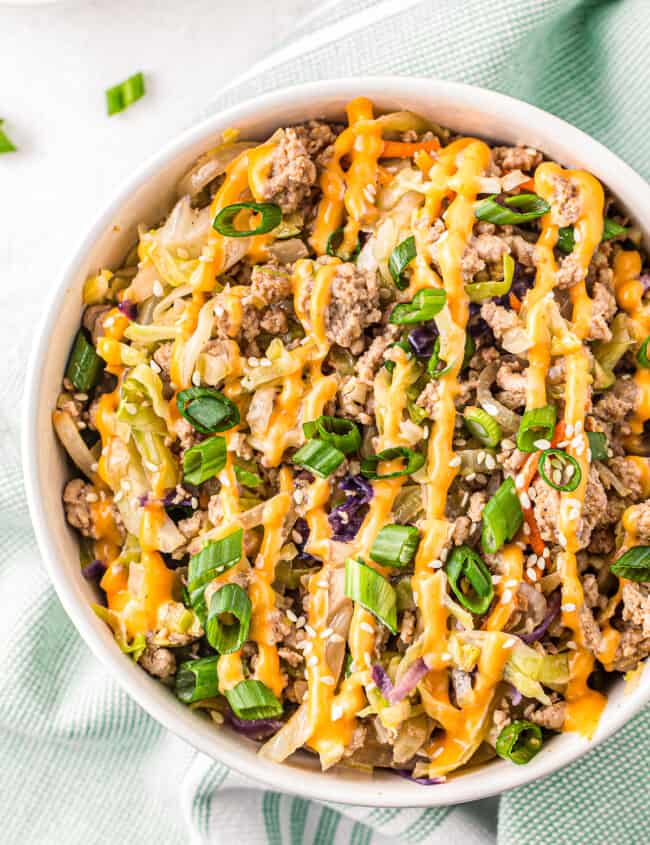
(584, 705)
(352, 191)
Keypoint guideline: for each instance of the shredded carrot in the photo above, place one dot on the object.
(515, 302)
(402, 149)
(528, 185)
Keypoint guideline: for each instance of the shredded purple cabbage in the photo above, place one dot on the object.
(408, 775)
(554, 602)
(515, 695)
(644, 278)
(253, 728)
(422, 339)
(94, 570)
(128, 308)
(345, 520)
(410, 679)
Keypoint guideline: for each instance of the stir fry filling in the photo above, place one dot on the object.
(361, 428)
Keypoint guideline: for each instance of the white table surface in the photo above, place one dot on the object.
(55, 63)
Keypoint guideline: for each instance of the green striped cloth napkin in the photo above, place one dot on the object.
(79, 761)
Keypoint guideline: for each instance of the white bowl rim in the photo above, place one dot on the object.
(315, 785)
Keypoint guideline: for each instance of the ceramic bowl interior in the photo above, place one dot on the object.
(145, 199)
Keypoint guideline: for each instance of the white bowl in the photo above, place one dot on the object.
(144, 198)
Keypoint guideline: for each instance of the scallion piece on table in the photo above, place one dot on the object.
(470, 579)
(504, 210)
(318, 457)
(227, 637)
(197, 680)
(252, 699)
(480, 291)
(536, 424)
(372, 591)
(370, 465)
(597, 445)
(399, 260)
(560, 470)
(423, 307)
(122, 96)
(84, 365)
(224, 222)
(204, 460)
(502, 517)
(634, 565)
(519, 741)
(566, 238)
(482, 426)
(395, 545)
(642, 355)
(207, 410)
(215, 558)
(6, 145)
(341, 433)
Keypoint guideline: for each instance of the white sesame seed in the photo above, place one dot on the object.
(568, 430)
(291, 616)
(471, 476)
(322, 584)
(519, 482)
(437, 753)
(353, 666)
(94, 467)
(510, 642)
(108, 322)
(524, 498)
(265, 362)
(310, 631)
(151, 466)
(218, 310)
(490, 463)
(578, 427)
(92, 497)
(506, 598)
(196, 378)
(436, 564)
(313, 661)
(307, 646)
(326, 633)
(569, 607)
(367, 628)
(445, 656)
(512, 582)
(455, 461)
(329, 680)
(490, 408)
(496, 579)
(444, 554)
(547, 552)
(561, 538)
(300, 622)
(367, 659)
(526, 529)
(158, 289)
(542, 443)
(155, 368)
(194, 502)
(507, 444)
(118, 496)
(572, 645)
(532, 575)
(480, 457)
(337, 712)
(336, 638)
(297, 496)
(253, 362)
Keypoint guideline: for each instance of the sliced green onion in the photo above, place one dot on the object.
(224, 222)
(214, 559)
(414, 460)
(423, 307)
(253, 700)
(470, 579)
(598, 445)
(84, 365)
(207, 410)
(334, 241)
(634, 565)
(436, 367)
(395, 545)
(504, 210)
(372, 591)
(559, 477)
(6, 146)
(390, 365)
(204, 460)
(482, 426)
(538, 424)
(227, 637)
(470, 349)
(319, 457)
(399, 260)
(566, 238)
(122, 96)
(502, 517)
(197, 680)
(519, 741)
(342, 433)
(479, 291)
(247, 478)
(642, 354)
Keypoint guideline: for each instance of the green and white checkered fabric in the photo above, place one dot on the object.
(79, 761)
